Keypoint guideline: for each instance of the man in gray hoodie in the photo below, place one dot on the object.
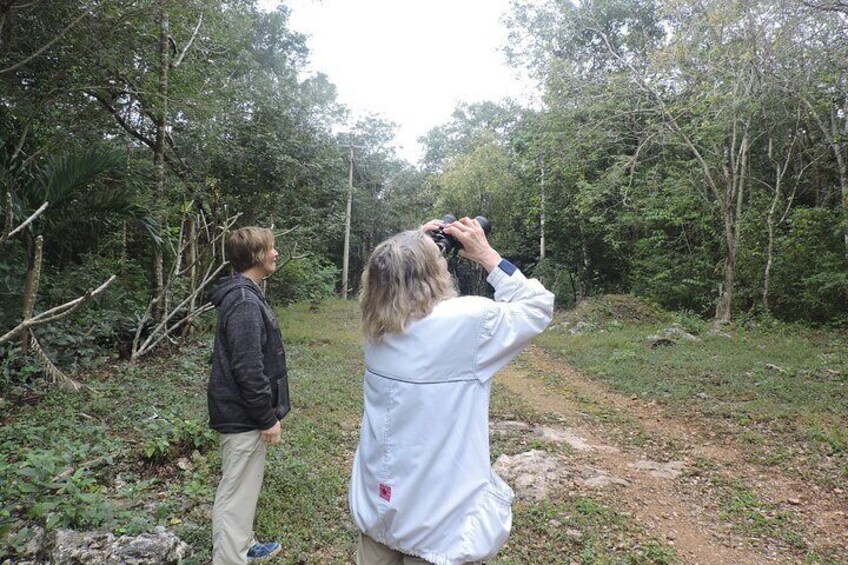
(248, 394)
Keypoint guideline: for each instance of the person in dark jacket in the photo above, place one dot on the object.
(247, 393)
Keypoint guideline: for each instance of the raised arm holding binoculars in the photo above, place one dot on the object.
(422, 489)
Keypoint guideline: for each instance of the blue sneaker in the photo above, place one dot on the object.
(260, 551)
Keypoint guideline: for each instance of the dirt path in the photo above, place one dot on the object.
(676, 500)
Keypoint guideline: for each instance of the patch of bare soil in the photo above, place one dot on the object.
(676, 500)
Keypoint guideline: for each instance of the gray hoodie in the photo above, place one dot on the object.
(248, 388)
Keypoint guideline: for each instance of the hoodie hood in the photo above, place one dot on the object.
(230, 283)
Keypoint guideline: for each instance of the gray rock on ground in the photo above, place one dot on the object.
(532, 474)
(67, 547)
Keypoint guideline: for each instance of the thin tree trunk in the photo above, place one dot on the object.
(192, 257)
(779, 173)
(159, 157)
(542, 212)
(346, 258)
(835, 139)
(838, 150)
(843, 184)
(769, 250)
(724, 307)
(34, 253)
(584, 256)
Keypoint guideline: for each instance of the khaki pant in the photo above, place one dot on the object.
(242, 469)
(371, 552)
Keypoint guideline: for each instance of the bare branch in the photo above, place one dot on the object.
(672, 121)
(166, 327)
(179, 60)
(26, 222)
(51, 369)
(8, 228)
(291, 256)
(839, 6)
(57, 312)
(162, 330)
(25, 6)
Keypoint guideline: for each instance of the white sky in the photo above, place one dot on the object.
(410, 61)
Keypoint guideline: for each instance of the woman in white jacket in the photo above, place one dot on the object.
(422, 489)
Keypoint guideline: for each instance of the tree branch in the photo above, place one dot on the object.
(179, 60)
(51, 369)
(57, 312)
(120, 119)
(26, 222)
(163, 330)
(839, 6)
(46, 46)
(672, 121)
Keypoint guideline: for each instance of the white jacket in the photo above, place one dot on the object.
(422, 481)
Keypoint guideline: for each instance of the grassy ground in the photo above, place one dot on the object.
(781, 392)
(135, 452)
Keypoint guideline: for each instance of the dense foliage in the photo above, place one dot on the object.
(143, 124)
(695, 154)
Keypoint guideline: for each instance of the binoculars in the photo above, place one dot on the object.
(446, 243)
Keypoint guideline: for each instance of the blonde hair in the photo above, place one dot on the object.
(249, 247)
(403, 280)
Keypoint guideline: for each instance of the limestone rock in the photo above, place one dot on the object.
(533, 475)
(67, 547)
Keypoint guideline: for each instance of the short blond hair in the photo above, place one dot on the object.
(404, 279)
(249, 247)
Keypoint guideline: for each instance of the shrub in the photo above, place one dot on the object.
(169, 437)
(309, 279)
(50, 485)
(810, 277)
(557, 279)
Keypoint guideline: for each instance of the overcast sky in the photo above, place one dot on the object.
(410, 61)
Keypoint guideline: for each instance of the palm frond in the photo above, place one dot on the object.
(149, 225)
(61, 175)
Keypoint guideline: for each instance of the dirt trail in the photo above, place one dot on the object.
(684, 510)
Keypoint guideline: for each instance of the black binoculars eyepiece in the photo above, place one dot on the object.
(446, 243)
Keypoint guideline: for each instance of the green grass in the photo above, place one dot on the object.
(795, 411)
(580, 530)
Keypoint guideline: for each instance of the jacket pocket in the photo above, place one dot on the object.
(489, 522)
(284, 404)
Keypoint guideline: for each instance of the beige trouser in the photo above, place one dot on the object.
(371, 552)
(242, 469)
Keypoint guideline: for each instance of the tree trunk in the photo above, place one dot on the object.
(835, 138)
(5, 6)
(843, 184)
(346, 258)
(839, 152)
(584, 281)
(192, 258)
(779, 173)
(769, 251)
(724, 307)
(34, 250)
(542, 213)
(159, 157)
(735, 174)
